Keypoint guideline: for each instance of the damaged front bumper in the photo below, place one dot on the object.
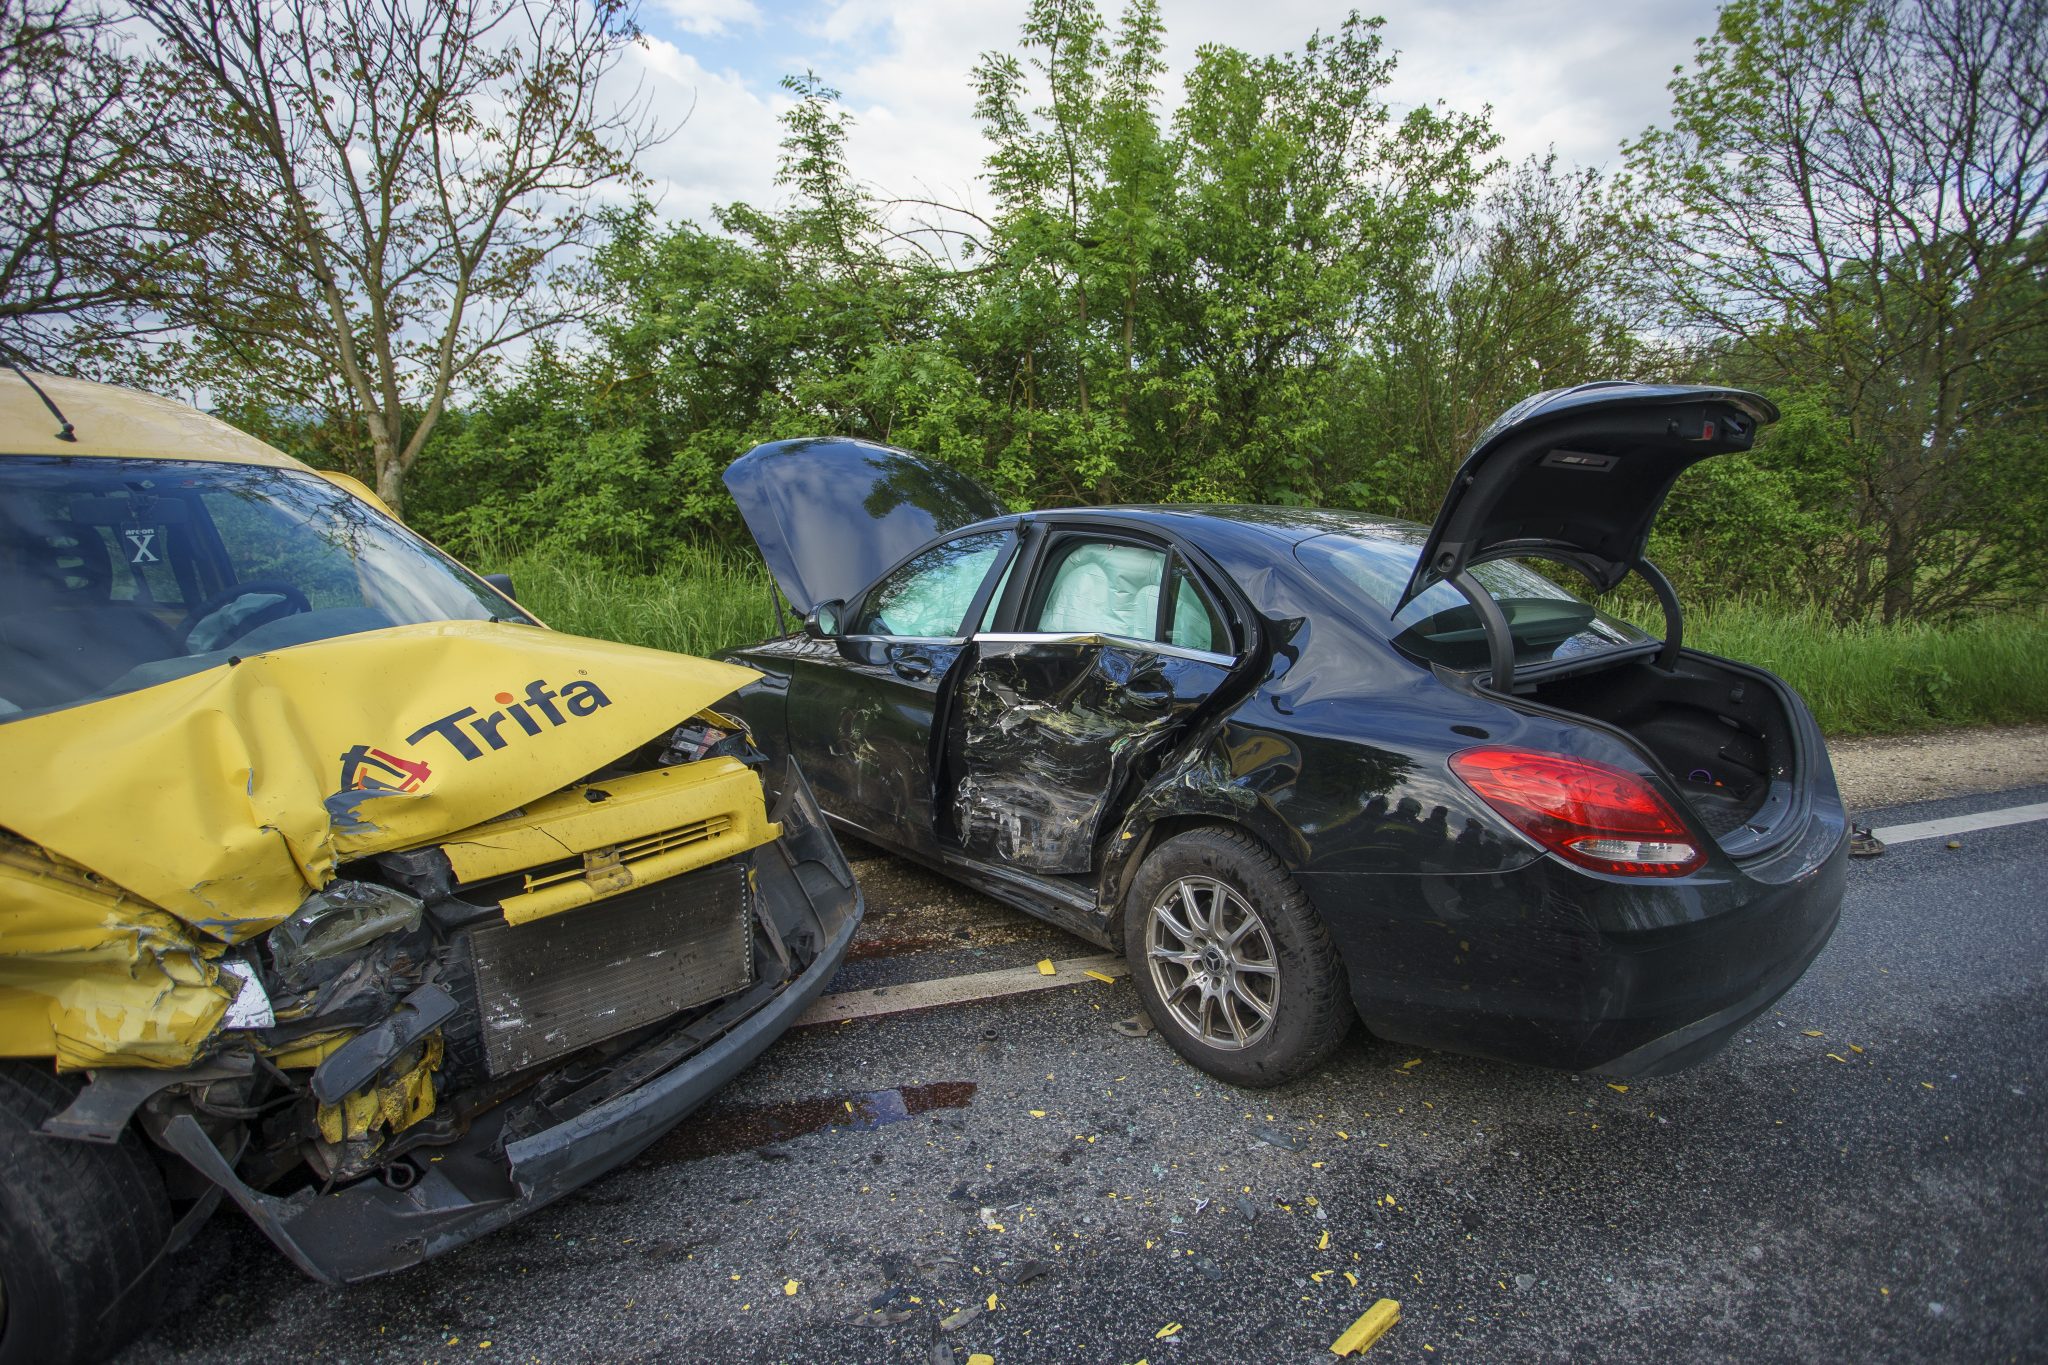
(527, 1152)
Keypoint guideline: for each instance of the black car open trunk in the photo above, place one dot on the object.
(1722, 732)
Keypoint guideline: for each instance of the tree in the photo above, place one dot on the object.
(97, 193)
(1532, 287)
(1851, 194)
(417, 177)
(1164, 309)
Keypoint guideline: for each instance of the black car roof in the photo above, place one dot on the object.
(1214, 524)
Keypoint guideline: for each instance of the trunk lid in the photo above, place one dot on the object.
(831, 514)
(1578, 475)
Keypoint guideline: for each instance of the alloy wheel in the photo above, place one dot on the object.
(1213, 963)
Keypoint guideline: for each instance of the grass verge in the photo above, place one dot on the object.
(712, 603)
(1871, 679)
(1858, 679)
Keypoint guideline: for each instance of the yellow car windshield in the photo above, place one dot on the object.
(118, 574)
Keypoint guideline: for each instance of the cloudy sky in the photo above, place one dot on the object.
(1555, 76)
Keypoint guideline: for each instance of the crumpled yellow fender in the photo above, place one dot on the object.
(207, 807)
(94, 977)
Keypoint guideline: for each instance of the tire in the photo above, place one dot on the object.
(81, 1228)
(1267, 954)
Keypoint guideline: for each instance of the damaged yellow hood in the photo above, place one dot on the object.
(226, 796)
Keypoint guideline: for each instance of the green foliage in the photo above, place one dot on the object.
(1849, 201)
(1286, 292)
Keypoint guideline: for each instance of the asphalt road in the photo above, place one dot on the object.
(1861, 1176)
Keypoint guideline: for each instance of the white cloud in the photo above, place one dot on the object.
(724, 144)
(1554, 77)
(710, 16)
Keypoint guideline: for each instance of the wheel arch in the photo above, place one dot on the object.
(1137, 840)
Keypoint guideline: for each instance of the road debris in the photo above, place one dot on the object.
(1369, 1328)
(1137, 1026)
(1045, 967)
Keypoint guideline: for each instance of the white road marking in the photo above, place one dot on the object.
(1962, 824)
(958, 990)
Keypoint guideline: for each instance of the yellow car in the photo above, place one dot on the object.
(332, 882)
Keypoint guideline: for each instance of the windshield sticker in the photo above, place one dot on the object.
(462, 729)
(139, 543)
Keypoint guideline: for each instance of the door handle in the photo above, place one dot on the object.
(912, 666)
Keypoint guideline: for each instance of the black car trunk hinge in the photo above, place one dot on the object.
(1500, 644)
(1500, 640)
(1674, 618)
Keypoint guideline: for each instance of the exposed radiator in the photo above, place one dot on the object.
(561, 983)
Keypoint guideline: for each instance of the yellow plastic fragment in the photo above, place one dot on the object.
(1103, 977)
(1323, 1243)
(1163, 1333)
(991, 1303)
(1351, 1277)
(1617, 1089)
(1813, 1033)
(980, 1358)
(1836, 1057)
(1045, 967)
(1854, 1048)
(789, 1287)
(1369, 1328)
(1411, 1063)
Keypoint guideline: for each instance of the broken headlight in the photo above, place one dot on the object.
(700, 738)
(334, 923)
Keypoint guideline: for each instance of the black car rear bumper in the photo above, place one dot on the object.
(1553, 967)
(491, 1175)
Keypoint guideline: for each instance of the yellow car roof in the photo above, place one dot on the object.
(111, 421)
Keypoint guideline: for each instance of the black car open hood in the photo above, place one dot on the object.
(831, 514)
(1578, 475)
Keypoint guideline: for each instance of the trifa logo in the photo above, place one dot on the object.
(373, 770)
(465, 728)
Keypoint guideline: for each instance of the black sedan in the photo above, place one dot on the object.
(1306, 766)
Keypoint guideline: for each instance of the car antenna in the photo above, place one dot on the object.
(64, 431)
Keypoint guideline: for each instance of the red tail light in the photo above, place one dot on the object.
(1584, 812)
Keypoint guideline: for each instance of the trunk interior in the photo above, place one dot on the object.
(1721, 733)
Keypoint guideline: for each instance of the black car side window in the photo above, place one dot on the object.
(928, 598)
(1101, 588)
(1194, 624)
